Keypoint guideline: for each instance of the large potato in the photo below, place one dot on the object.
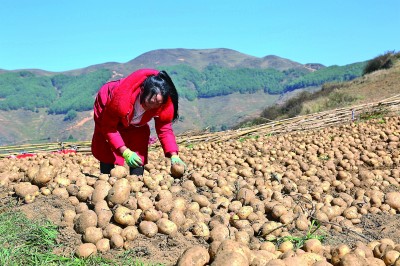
(177, 170)
(25, 188)
(195, 256)
(92, 235)
(104, 214)
(44, 175)
(129, 233)
(85, 220)
(167, 227)
(148, 229)
(119, 172)
(100, 192)
(124, 216)
(86, 250)
(119, 193)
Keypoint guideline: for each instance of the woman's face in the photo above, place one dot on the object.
(153, 102)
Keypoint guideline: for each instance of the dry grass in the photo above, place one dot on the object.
(373, 87)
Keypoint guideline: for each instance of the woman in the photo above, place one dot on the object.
(122, 110)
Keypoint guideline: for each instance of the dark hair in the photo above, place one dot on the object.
(161, 84)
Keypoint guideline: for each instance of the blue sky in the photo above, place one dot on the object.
(69, 34)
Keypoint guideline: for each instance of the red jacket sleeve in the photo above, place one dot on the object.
(166, 136)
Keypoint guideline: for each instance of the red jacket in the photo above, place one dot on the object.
(113, 112)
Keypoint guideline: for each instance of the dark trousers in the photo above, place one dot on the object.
(105, 168)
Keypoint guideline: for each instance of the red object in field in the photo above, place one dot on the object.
(65, 151)
(23, 155)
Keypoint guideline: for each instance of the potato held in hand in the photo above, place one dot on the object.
(177, 170)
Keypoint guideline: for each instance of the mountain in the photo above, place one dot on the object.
(196, 58)
(218, 89)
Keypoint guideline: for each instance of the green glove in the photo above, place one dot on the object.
(132, 159)
(175, 159)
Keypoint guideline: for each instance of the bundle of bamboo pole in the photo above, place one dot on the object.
(389, 106)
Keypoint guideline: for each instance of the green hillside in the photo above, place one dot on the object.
(62, 93)
(379, 79)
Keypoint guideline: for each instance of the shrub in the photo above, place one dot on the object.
(71, 115)
(384, 61)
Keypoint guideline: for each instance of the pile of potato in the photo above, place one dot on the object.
(237, 195)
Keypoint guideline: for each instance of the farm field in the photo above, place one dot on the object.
(328, 196)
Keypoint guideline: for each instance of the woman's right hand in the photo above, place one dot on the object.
(131, 158)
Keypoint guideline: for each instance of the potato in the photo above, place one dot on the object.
(136, 186)
(278, 210)
(68, 216)
(244, 212)
(177, 170)
(150, 182)
(81, 207)
(271, 228)
(235, 206)
(277, 262)
(201, 229)
(100, 192)
(103, 245)
(391, 256)
(311, 258)
(119, 193)
(151, 215)
(164, 205)
(129, 233)
(119, 172)
(25, 188)
(219, 233)
(164, 195)
(61, 192)
(285, 246)
(144, 203)
(116, 241)
(131, 203)
(233, 246)
(85, 193)
(92, 235)
(103, 212)
(62, 181)
(177, 216)
(166, 227)
(73, 200)
(339, 252)
(86, 250)
(201, 200)
(242, 237)
(195, 256)
(393, 200)
(44, 175)
(313, 245)
(85, 220)
(245, 196)
(261, 257)
(110, 230)
(230, 258)
(124, 216)
(380, 249)
(268, 246)
(351, 259)
(148, 229)
(179, 204)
